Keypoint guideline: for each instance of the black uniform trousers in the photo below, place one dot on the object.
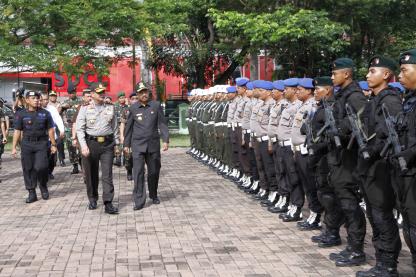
(152, 161)
(51, 160)
(34, 157)
(251, 158)
(333, 216)
(282, 176)
(268, 163)
(406, 198)
(100, 153)
(236, 145)
(289, 178)
(243, 153)
(60, 146)
(380, 199)
(307, 185)
(259, 164)
(342, 166)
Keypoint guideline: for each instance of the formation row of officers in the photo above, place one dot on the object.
(296, 139)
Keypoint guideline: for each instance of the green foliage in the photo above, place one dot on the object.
(62, 35)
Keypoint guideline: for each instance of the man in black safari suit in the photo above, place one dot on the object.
(145, 125)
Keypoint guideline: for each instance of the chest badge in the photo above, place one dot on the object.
(139, 116)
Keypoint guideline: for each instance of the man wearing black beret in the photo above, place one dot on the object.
(342, 162)
(405, 183)
(377, 188)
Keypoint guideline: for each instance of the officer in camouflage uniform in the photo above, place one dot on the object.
(127, 158)
(120, 106)
(70, 107)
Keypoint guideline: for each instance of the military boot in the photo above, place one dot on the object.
(75, 170)
(32, 196)
(355, 258)
(44, 192)
(117, 161)
(380, 270)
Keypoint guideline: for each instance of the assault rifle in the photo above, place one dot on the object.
(330, 124)
(357, 133)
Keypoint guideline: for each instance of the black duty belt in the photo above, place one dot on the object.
(41, 138)
(100, 139)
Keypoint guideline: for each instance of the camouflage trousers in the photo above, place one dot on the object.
(73, 151)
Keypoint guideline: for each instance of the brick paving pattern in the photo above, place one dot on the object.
(204, 226)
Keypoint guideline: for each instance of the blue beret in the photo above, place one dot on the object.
(267, 85)
(363, 85)
(249, 85)
(231, 89)
(279, 85)
(291, 82)
(306, 83)
(397, 85)
(241, 81)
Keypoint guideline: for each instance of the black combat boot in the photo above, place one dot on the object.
(355, 258)
(32, 196)
(380, 270)
(75, 169)
(117, 161)
(129, 175)
(331, 240)
(44, 192)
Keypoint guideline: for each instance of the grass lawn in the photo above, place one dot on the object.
(177, 140)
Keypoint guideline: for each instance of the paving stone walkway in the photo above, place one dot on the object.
(204, 226)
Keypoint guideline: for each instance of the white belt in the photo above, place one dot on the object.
(285, 143)
(229, 125)
(193, 118)
(238, 124)
(263, 138)
(211, 122)
(273, 139)
(296, 148)
(218, 124)
(204, 124)
(247, 131)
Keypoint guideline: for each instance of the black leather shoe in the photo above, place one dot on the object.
(330, 241)
(92, 205)
(136, 208)
(320, 237)
(303, 223)
(129, 177)
(156, 201)
(282, 210)
(51, 177)
(354, 259)
(62, 163)
(45, 195)
(32, 196)
(117, 161)
(379, 270)
(294, 216)
(311, 227)
(110, 209)
(75, 169)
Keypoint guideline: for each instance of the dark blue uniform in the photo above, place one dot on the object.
(34, 156)
(142, 135)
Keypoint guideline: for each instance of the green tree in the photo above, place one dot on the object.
(62, 35)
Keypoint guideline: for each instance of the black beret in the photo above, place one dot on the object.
(32, 93)
(342, 63)
(133, 94)
(322, 81)
(408, 57)
(381, 61)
